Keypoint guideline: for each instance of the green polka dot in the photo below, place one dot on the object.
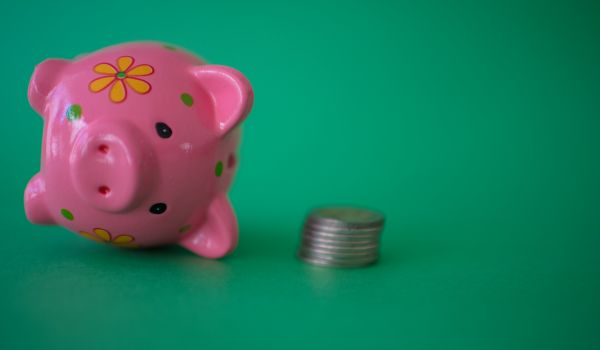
(169, 47)
(184, 229)
(67, 214)
(74, 112)
(219, 169)
(121, 75)
(187, 99)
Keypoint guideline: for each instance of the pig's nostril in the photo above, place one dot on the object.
(104, 190)
(103, 149)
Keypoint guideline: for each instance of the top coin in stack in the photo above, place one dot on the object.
(341, 237)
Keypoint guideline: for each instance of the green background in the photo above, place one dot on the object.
(474, 126)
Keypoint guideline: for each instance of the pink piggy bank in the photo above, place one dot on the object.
(139, 147)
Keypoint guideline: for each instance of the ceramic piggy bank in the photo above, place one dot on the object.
(139, 147)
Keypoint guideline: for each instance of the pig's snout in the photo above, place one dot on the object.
(111, 165)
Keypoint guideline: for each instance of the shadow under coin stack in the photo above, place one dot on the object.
(341, 237)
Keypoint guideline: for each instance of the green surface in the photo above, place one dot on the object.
(473, 125)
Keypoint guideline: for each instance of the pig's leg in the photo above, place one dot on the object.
(35, 202)
(218, 235)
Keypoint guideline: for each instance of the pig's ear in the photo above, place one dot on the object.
(230, 93)
(44, 79)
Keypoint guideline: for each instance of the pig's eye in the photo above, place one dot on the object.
(163, 130)
(158, 208)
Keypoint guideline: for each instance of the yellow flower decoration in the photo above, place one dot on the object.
(120, 77)
(103, 236)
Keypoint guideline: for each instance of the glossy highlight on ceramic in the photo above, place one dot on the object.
(139, 147)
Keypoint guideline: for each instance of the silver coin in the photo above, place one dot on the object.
(345, 217)
(333, 227)
(322, 263)
(307, 242)
(341, 237)
(338, 260)
(325, 263)
(354, 248)
(343, 231)
(338, 254)
(316, 244)
(328, 262)
(341, 244)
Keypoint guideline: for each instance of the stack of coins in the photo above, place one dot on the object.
(341, 237)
